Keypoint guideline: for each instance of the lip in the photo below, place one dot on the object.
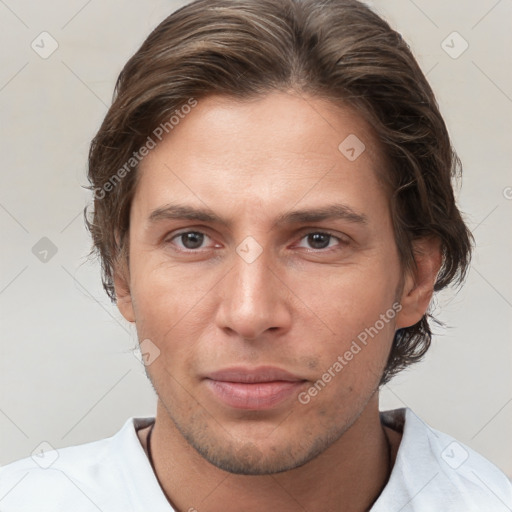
(253, 375)
(264, 387)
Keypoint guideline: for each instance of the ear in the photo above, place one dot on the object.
(123, 293)
(419, 282)
(122, 282)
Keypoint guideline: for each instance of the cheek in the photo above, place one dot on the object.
(334, 311)
(352, 322)
(165, 292)
(171, 309)
(348, 299)
(349, 372)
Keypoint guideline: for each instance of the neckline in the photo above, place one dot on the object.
(148, 448)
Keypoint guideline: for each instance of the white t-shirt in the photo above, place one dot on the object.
(432, 473)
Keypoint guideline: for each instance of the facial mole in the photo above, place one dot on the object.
(312, 364)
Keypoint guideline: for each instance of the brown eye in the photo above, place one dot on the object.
(318, 240)
(190, 239)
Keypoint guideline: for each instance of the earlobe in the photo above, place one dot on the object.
(419, 282)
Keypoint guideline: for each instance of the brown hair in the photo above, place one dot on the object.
(336, 49)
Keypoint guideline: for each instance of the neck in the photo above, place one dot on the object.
(352, 472)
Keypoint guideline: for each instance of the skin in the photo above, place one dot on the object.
(298, 305)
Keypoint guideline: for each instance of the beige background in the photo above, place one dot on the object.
(67, 371)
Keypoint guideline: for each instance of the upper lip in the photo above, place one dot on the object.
(253, 375)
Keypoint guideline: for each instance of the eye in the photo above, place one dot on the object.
(194, 240)
(319, 240)
(189, 240)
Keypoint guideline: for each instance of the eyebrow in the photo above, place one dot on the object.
(328, 212)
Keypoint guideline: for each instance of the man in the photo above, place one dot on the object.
(273, 209)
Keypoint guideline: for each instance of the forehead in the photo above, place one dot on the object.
(270, 151)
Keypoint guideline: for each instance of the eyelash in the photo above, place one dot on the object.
(341, 241)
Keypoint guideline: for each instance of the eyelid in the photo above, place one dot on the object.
(169, 237)
(341, 238)
(315, 229)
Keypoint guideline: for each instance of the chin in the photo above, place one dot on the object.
(259, 457)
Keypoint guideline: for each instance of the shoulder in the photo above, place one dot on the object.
(74, 478)
(433, 471)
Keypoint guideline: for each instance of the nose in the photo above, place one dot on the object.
(253, 300)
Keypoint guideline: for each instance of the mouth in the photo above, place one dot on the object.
(260, 388)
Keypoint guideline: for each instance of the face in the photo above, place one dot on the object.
(261, 256)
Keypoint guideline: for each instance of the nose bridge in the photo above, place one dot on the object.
(253, 280)
(252, 299)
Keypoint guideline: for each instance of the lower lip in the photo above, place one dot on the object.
(254, 396)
